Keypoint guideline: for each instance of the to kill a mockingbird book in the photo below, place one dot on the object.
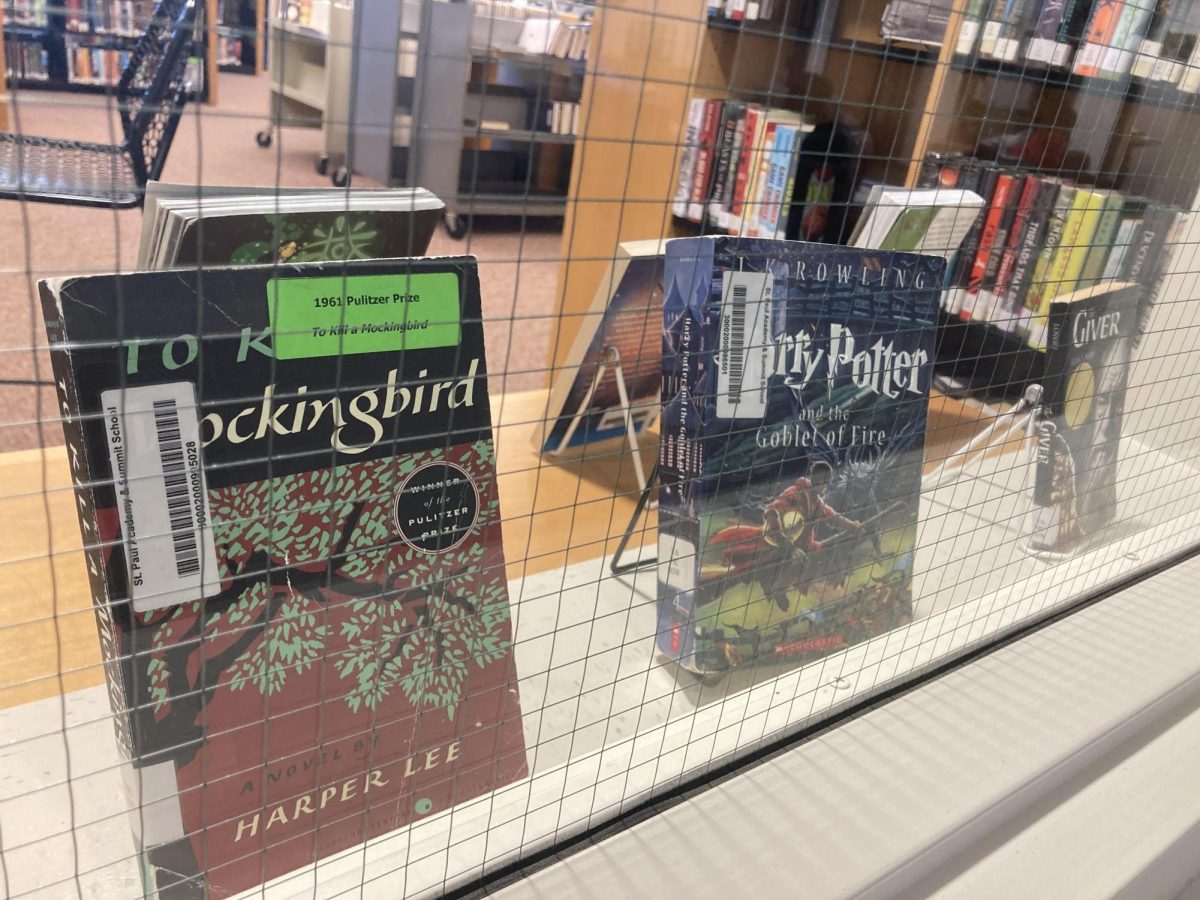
(287, 494)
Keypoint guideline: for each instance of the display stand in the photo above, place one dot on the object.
(612, 359)
(616, 566)
(1024, 416)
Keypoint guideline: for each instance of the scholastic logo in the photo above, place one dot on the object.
(828, 642)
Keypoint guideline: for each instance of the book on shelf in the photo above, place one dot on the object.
(1098, 37)
(739, 11)
(26, 60)
(185, 226)
(1092, 333)
(795, 390)
(932, 221)
(916, 21)
(1038, 237)
(737, 167)
(1006, 27)
(623, 326)
(287, 493)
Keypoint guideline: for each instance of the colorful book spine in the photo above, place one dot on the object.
(1042, 45)
(1106, 14)
(723, 153)
(1036, 300)
(704, 160)
(751, 134)
(1034, 237)
(1003, 310)
(1117, 60)
(758, 197)
(1102, 240)
(973, 307)
(687, 163)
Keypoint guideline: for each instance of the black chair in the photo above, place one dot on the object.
(150, 97)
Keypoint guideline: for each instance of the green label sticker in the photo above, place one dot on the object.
(312, 317)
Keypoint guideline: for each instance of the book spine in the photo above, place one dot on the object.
(737, 151)
(1102, 241)
(1147, 259)
(968, 34)
(1008, 216)
(1057, 350)
(1077, 234)
(1032, 242)
(1150, 48)
(789, 191)
(987, 244)
(989, 33)
(1043, 41)
(704, 160)
(1071, 31)
(745, 165)
(1037, 300)
(780, 155)
(687, 163)
(680, 464)
(1117, 60)
(115, 660)
(1099, 35)
(1127, 233)
(724, 154)
(970, 245)
(1005, 309)
(757, 202)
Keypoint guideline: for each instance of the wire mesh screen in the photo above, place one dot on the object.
(432, 430)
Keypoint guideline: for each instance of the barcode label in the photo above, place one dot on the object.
(175, 484)
(745, 343)
(162, 501)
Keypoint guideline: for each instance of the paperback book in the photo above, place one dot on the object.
(244, 226)
(795, 389)
(622, 329)
(1091, 339)
(287, 494)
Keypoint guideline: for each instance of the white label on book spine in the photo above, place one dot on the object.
(1006, 49)
(1116, 60)
(987, 44)
(1088, 57)
(1040, 50)
(1148, 55)
(745, 343)
(752, 10)
(153, 437)
(1062, 53)
(966, 36)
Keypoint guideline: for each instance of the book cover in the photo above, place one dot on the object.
(623, 326)
(287, 494)
(795, 391)
(1089, 348)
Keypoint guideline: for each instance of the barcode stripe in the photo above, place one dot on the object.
(737, 342)
(179, 503)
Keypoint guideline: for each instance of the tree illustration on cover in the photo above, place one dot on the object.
(414, 622)
(337, 240)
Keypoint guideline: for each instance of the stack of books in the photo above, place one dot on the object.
(737, 171)
(1039, 237)
(1154, 40)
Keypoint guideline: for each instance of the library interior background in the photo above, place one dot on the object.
(628, 388)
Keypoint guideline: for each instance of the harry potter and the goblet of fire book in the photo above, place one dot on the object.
(287, 493)
(795, 387)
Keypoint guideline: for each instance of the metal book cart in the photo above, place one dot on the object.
(310, 81)
(440, 129)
